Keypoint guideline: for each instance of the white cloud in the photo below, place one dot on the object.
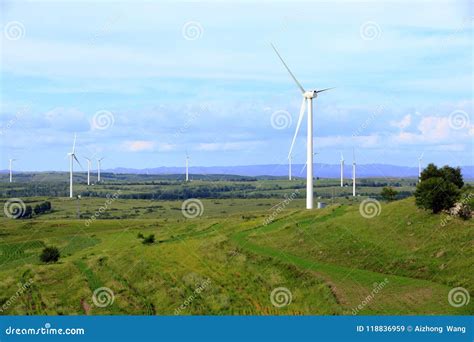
(139, 145)
(403, 123)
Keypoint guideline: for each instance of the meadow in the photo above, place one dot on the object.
(230, 251)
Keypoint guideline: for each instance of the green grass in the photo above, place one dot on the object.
(329, 259)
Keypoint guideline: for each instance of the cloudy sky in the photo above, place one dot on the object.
(143, 82)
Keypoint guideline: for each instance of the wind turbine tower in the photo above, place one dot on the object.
(308, 97)
(187, 167)
(98, 168)
(10, 168)
(342, 170)
(419, 167)
(289, 166)
(72, 157)
(353, 174)
(89, 162)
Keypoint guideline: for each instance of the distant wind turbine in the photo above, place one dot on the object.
(72, 157)
(342, 170)
(99, 160)
(187, 166)
(10, 167)
(89, 162)
(307, 97)
(289, 166)
(353, 173)
(419, 166)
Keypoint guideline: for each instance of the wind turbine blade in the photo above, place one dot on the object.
(77, 160)
(74, 143)
(289, 71)
(304, 167)
(320, 91)
(421, 157)
(300, 118)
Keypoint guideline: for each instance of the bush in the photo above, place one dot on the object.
(436, 194)
(388, 193)
(149, 239)
(50, 255)
(140, 236)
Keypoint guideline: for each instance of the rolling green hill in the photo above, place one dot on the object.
(236, 253)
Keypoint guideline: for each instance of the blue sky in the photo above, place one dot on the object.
(169, 77)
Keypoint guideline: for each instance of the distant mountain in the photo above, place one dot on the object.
(320, 170)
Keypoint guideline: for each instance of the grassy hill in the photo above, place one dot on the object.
(330, 260)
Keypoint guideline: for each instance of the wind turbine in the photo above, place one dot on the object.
(10, 167)
(72, 157)
(419, 166)
(89, 162)
(342, 170)
(98, 168)
(187, 167)
(308, 97)
(353, 173)
(289, 166)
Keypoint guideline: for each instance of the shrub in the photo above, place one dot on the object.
(140, 236)
(436, 194)
(149, 239)
(388, 193)
(50, 255)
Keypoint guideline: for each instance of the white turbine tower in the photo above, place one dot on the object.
(99, 160)
(72, 157)
(353, 173)
(419, 167)
(308, 97)
(289, 166)
(342, 170)
(89, 162)
(187, 167)
(10, 168)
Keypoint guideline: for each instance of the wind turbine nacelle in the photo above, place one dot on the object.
(310, 94)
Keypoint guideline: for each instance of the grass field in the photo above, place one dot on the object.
(230, 256)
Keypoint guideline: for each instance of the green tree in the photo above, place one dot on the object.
(388, 193)
(452, 175)
(431, 171)
(436, 194)
(50, 255)
(448, 173)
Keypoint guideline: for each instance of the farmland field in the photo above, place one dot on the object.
(228, 248)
